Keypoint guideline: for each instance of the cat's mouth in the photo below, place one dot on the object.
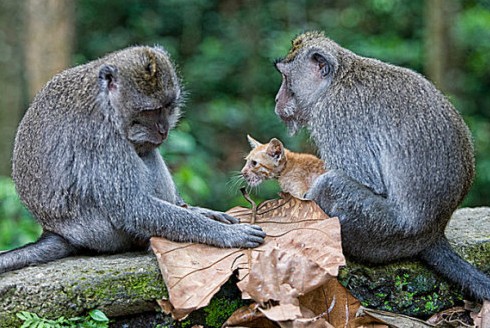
(252, 180)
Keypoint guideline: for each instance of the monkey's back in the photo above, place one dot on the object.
(413, 141)
(41, 135)
(68, 153)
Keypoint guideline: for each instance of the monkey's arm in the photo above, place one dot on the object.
(156, 217)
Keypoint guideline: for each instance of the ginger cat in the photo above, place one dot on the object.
(295, 172)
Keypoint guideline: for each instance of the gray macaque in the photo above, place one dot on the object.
(86, 164)
(400, 157)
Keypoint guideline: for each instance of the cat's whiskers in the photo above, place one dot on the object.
(236, 182)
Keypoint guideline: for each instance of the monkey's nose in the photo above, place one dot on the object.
(162, 130)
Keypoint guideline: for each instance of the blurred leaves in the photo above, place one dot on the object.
(16, 223)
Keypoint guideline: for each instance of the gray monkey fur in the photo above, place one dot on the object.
(86, 163)
(400, 157)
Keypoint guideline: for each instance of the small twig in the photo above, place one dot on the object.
(254, 214)
(254, 205)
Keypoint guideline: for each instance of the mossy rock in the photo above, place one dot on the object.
(128, 284)
(118, 285)
(413, 289)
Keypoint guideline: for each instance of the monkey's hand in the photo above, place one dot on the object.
(214, 215)
(240, 235)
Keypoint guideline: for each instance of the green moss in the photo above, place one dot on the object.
(404, 287)
(139, 286)
(477, 255)
(186, 323)
(219, 310)
(221, 307)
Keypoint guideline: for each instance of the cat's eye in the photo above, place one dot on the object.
(254, 163)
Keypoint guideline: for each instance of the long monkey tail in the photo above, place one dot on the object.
(444, 260)
(48, 247)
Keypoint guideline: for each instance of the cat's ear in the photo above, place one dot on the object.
(253, 143)
(275, 149)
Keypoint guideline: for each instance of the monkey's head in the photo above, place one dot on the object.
(307, 72)
(142, 92)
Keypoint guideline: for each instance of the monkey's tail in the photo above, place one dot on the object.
(444, 260)
(48, 247)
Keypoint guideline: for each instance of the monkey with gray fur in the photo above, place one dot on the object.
(86, 164)
(400, 157)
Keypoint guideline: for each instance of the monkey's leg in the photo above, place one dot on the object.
(373, 230)
(48, 247)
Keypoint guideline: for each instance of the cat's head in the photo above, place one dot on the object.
(265, 161)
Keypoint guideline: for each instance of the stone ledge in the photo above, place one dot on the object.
(118, 285)
(410, 287)
(129, 284)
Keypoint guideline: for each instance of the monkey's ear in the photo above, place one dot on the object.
(108, 77)
(253, 143)
(324, 67)
(275, 149)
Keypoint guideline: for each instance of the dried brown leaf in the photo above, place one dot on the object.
(453, 317)
(482, 319)
(387, 318)
(193, 273)
(308, 319)
(301, 252)
(244, 315)
(333, 302)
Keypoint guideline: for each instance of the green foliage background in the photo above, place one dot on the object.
(224, 51)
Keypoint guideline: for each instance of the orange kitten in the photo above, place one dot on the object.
(295, 172)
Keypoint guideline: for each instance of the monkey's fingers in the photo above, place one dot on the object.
(252, 244)
(220, 217)
(244, 236)
(257, 230)
(225, 218)
(215, 215)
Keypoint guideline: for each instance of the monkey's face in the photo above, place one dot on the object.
(149, 128)
(143, 89)
(307, 72)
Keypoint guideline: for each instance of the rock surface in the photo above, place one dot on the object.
(129, 284)
(411, 288)
(118, 285)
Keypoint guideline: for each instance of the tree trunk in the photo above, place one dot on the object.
(11, 82)
(439, 48)
(49, 38)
